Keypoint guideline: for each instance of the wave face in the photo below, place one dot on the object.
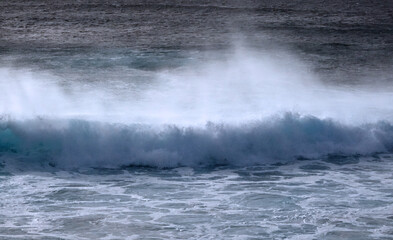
(78, 143)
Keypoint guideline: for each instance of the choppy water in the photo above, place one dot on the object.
(338, 198)
(196, 120)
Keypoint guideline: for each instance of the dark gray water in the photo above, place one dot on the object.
(342, 39)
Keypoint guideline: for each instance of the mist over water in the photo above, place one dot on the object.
(241, 85)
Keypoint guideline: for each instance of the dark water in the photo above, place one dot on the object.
(346, 40)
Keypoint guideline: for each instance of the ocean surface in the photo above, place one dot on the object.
(196, 119)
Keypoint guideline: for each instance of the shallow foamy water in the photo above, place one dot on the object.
(335, 198)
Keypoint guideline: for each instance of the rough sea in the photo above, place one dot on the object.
(196, 119)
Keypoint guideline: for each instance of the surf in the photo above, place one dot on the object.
(239, 108)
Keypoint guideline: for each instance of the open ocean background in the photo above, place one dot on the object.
(194, 119)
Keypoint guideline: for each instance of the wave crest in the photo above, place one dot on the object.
(79, 143)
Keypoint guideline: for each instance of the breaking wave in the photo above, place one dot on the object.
(239, 109)
(80, 143)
